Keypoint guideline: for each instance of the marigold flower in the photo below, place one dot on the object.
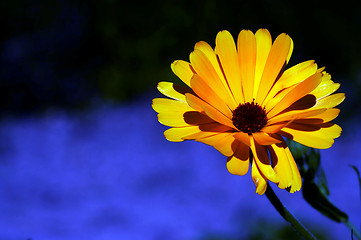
(242, 101)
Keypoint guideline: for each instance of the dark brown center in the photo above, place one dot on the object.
(249, 117)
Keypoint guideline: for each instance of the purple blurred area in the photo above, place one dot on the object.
(108, 173)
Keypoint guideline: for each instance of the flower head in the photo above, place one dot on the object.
(242, 101)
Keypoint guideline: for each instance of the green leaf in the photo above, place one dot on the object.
(315, 190)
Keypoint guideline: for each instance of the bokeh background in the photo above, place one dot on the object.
(82, 155)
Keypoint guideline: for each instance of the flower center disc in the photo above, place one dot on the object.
(249, 117)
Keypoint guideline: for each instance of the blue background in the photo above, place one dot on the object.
(82, 155)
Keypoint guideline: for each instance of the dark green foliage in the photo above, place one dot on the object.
(314, 189)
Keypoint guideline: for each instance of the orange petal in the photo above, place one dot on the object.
(194, 102)
(296, 93)
(269, 104)
(260, 155)
(264, 44)
(202, 89)
(209, 110)
(212, 58)
(259, 180)
(275, 127)
(292, 76)
(263, 138)
(228, 57)
(281, 165)
(243, 137)
(247, 53)
(205, 69)
(238, 164)
(296, 114)
(276, 60)
(225, 143)
(296, 177)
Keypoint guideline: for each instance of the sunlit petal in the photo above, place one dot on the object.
(259, 180)
(238, 163)
(281, 165)
(276, 60)
(264, 44)
(260, 155)
(169, 105)
(247, 53)
(183, 70)
(228, 57)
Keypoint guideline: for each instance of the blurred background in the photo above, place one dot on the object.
(82, 155)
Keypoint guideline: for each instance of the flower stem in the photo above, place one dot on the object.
(296, 225)
(354, 230)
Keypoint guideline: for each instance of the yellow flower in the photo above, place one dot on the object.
(242, 101)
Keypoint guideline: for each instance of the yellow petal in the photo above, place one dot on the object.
(180, 134)
(312, 136)
(276, 60)
(264, 44)
(228, 57)
(208, 51)
(297, 74)
(177, 134)
(225, 143)
(217, 116)
(183, 70)
(210, 78)
(247, 53)
(296, 114)
(281, 165)
(212, 57)
(292, 76)
(238, 163)
(169, 105)
(330, 101)
(296, 93)
(275, 127)
(296, 177)
(201, 88)
(259, 180)
(290, 52)
(260, 155)
(263, 138)
(173, 90)
(269, 104)
(243, 137)
(194, 102)
(327, 115)
(324, 90)
(326, 77)
(209, 110)
(207, 130)
(183, 119)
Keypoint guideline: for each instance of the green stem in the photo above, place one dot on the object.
(297, 226)
(355, 231)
